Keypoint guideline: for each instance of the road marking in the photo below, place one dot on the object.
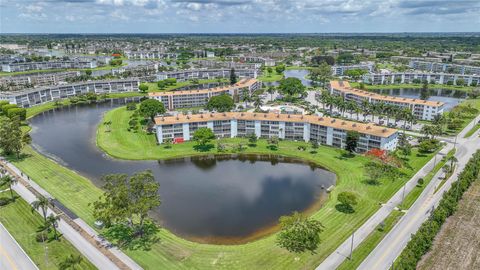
(9, 259)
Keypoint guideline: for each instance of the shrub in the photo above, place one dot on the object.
(41, 237)
(131, 106)
(20, 112)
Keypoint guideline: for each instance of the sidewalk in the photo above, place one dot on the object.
(79, 233)
(12, 256)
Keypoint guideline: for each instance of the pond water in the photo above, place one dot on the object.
(451, 98)
(215, 199)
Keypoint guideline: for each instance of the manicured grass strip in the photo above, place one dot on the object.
(270, 77)
(471, 131)
(23, 224)
(413, 195)
(372, 240)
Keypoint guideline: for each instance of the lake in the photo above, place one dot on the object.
(214, 199)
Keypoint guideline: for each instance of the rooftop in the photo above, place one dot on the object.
(312, 119)
(242, 83)
(345, 87)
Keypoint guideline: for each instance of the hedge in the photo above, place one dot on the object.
(421, 241)
(20, 112)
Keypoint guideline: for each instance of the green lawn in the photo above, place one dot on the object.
(270, 77)
(23, 224)
(176, 253)
(372, 240)
(472, 130)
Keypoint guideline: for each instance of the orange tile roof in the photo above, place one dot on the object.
(345, 87)
(242, 83)
(313, 119)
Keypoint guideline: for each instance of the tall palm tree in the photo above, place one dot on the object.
(246, 98)
(340, 104)
(41, 203)
(365, 106)
(52, 221)
(324, 98)
(9, 181)
(257, 102)
(71, 262)
(452, 159)
(271, 91)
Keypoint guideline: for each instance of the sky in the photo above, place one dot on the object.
(238, 16)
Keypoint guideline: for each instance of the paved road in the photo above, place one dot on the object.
(12, 256)
(343, 251)
(392, 245)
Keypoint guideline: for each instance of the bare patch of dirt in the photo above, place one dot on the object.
(457, 246)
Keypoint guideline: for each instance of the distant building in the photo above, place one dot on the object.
(339, 70)
(36, 80)
(19, 67)
(198, 98)
(444, 67)
(324, 130)
(35, 96)
(410, 77)
(421, 109)
(184, 75)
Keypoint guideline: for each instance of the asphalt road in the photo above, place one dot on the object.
(386, 252)
(12, 256)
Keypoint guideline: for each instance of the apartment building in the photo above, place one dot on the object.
(422, 109)
(31, 97)
(199, 98)
(324, 130)
(213, 64)
(150, 55)
(339, 70)
(444, 67)
(36, 80)
(410, 77)
(185, 75)
(19, 67)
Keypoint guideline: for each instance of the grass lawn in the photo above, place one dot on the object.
(372, 240)
(413, 85)
(297, 67)
(173, 252)
(474, 103)
(270, 77)
(23, 224)
(472, 130)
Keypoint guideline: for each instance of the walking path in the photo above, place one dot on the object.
(12, 256)
(344, 250)
(395, 241)
(97, 250)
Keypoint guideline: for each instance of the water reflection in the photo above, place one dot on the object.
(209, 198)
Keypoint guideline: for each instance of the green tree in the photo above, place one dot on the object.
(203, 136)
(252, 138)
(424, 92)
(42, 203)
(280, 69)
(151, 107)
(299, 234)
(271, 91)
(292, 87)
(348, 199)
(321, 74)
(88, 72)
(12, 139)
(221, 103)
(71, 262)
(143, 88)
(9, 181)
(351, 141)
(233, 77)
(52, 222)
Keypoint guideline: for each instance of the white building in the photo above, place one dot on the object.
(35, 96)
(199, 98)
(339, 70)
(19, 67)
(324, 130)
(444, 67)
(411, 77)
(422, 109)
(185, 75)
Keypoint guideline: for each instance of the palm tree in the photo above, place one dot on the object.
(41, 203)
(452, 160)
(257, 102)
(71, 262)
(365, 106)
(340, 104)
(246, 98)
(52, 221)
(9, 181)
(271, 91)
(325, 98)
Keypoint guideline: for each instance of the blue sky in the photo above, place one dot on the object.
(237, 16)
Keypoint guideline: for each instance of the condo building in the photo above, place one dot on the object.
(444, 67)
(19, 67)
(324, 130)
(185, 75)
(339, 70)
(199, 98)
(410, 77)
(421, 109)
(36, 80)
(31, 97)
